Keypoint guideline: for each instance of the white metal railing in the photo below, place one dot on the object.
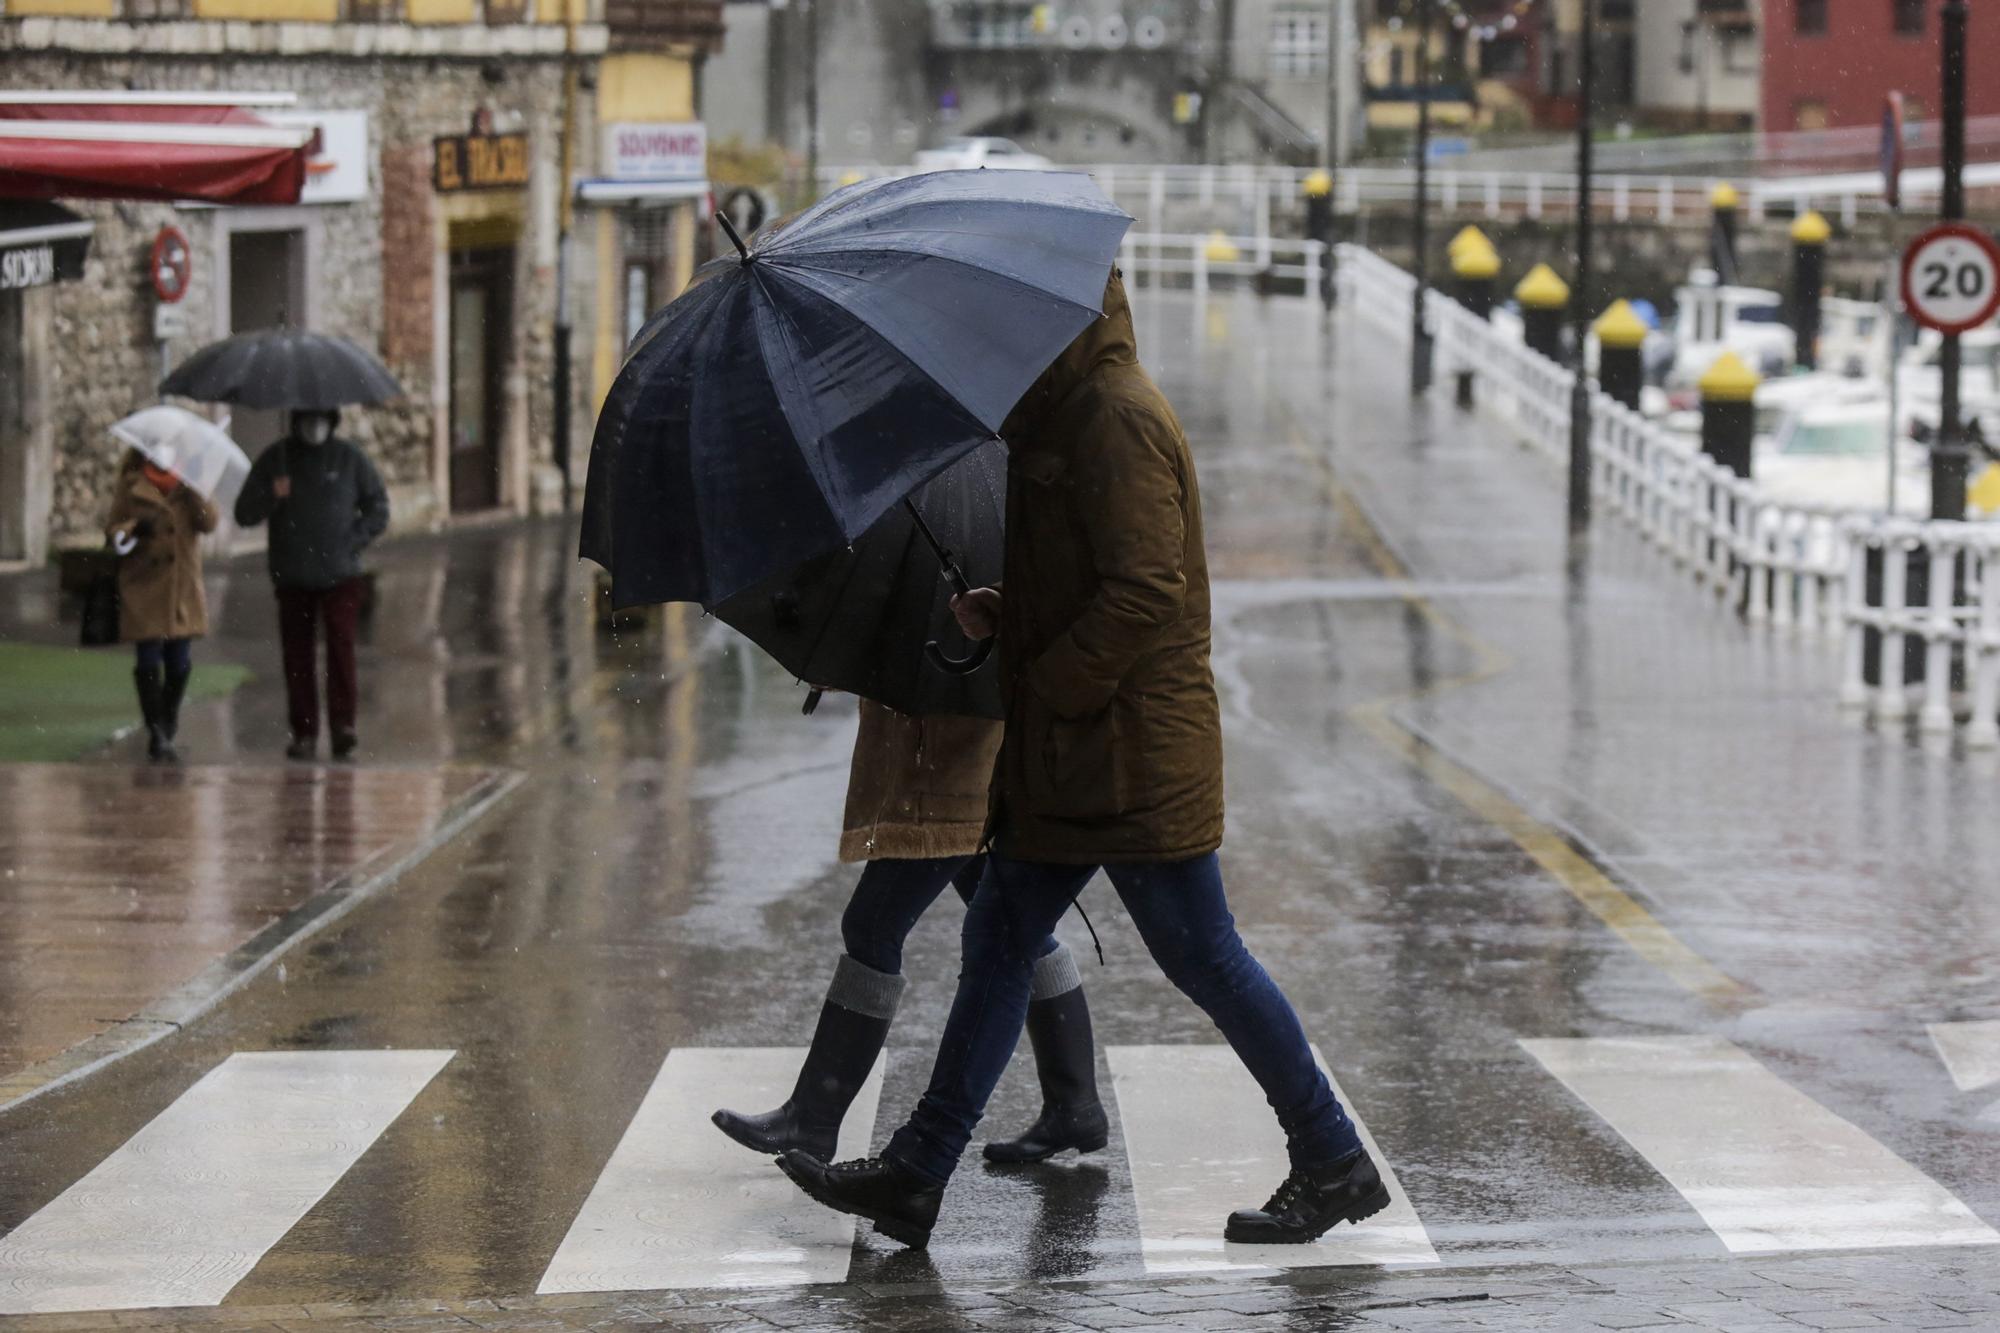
(1778, 563)
(1201, 259)
(1252, 192)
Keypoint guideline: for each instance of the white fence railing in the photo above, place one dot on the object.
(1783, 564)
(1201, 259)
(1250, 193)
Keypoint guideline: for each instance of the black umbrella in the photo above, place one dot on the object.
(283, 368)
(858, 617)
(775, 411)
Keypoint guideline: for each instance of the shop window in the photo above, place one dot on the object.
(1909, 15)
(1298, 44)
(1809, 19)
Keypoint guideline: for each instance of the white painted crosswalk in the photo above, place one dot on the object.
(1971, 1055)
(679, 1205)
(185, 1209)
(1202, 1141)
(188, 1207)
(1767, 1167)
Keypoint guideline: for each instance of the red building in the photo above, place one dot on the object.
(1828, 63)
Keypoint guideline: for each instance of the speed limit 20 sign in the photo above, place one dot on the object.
(1951, 278)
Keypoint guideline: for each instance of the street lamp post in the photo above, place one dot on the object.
(1579, 402)
(1420, 339)
(1948, 460)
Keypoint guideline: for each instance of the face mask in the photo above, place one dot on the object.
(315, 430)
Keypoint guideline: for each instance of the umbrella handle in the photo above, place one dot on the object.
(959, 666)
(812, 701)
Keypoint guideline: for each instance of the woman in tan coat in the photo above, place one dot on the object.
(916, 811)
(155, 525)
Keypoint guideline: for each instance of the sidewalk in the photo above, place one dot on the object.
(135, 898)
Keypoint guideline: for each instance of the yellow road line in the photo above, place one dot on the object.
(1544, 844)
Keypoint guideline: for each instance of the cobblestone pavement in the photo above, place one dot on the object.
(1939, 1289)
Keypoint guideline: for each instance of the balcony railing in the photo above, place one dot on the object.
(1033, 25)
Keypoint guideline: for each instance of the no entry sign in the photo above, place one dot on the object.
(1951, 278)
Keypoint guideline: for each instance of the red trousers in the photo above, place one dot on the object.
(300, 611)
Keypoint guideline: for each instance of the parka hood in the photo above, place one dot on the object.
(1105, 341)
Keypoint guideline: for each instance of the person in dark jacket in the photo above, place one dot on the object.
(916, 805)
(325, 502)
(1112, 759)
(156, 525)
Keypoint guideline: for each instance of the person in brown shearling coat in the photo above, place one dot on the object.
(916, 807)
(156, 524)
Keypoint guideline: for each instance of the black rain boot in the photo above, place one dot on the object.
(1065, 1062)
(152, 707)
(171, 695)
(902, 1205)
(1310, 1202)
(853, 1025)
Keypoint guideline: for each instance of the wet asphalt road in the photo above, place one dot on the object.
(1421, 686)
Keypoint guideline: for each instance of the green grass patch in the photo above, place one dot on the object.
(59, 703)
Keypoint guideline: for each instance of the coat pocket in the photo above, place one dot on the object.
(1076, 768)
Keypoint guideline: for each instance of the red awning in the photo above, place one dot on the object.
(147, 146)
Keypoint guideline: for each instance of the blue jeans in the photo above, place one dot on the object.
(176, 654)
(1183, 917)
(893, 896)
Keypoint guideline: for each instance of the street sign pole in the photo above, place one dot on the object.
(1420, 340)
(1581, 309)
(1948, 462)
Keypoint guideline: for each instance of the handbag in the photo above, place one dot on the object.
(92, 578)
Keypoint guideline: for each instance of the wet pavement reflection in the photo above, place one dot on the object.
(1410, 658)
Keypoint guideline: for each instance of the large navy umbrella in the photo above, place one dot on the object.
(858, 617)
(777, 409)
(283, 368)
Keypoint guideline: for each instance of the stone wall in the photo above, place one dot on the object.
(373, 270)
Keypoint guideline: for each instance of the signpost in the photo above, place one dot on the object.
(171, 266)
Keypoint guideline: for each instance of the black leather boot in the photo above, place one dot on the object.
(1312, 1200)
(853, 1025)
(174, 690)
(902, 1205)
(152, 707)
(1066, 1064)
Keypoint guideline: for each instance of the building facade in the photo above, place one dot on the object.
(1698, 64)
(1828, 64)
(490, 175)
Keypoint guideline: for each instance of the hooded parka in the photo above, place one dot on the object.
(1113, 748)
(918, 785)
(159, 583)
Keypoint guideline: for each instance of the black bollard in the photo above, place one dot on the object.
(1319, 227)
(1809, 235)
(1544, 297)
(1474, 267)
(1723, 199)
(1729, 413)
(1621, 369)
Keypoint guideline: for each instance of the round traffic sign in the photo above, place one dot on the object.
(172, 264)
(1951, 278)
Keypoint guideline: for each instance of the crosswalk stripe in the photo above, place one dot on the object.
(1202, 1141)
(186, 1207)
(1767, 1167)
(679, 1205)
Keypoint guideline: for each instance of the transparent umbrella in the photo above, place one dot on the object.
(191, 447)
